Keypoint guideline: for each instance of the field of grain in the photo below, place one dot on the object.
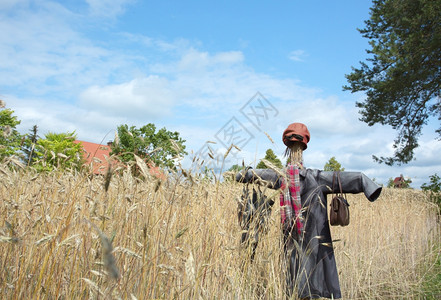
(63, 236)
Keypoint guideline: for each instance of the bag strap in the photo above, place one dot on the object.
(337, 174)
(339, 182)
(343, 196)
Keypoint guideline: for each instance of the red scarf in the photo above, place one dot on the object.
(290, 202)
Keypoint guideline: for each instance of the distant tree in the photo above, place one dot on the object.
(230, 174)
(406, 183)
(29, 145)
(402, 79)
(272, 158)
(58, 151)
(435, 184)
(333, 165)
(433, 190)
(390, 183)
(161, 147)
(235, 168)
(10, 138)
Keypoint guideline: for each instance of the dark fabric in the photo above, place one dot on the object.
(254, 210)
(312, 269)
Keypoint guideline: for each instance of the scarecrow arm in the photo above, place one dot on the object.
(266, 177)
(351, 182)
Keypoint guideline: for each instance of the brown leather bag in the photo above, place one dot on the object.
(339, 213)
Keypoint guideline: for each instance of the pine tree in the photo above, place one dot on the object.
(402, 78)
(29, 144)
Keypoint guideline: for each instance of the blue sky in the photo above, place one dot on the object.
(200, 68)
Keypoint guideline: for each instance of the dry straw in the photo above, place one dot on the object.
(181, 241)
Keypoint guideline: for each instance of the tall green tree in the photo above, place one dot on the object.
(158, 146)
(10, 138)
(402, 76)
(58, 151)
(29, 145)
(272, 158)
(333, 165)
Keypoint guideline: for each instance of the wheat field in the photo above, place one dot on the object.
(64, 236)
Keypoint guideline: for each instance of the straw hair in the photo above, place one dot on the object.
(295, 153)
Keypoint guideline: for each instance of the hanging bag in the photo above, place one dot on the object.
(339, 212)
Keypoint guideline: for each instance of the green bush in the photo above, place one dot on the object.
(433, 190)
(58, 151)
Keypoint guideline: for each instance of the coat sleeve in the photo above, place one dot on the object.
(266, 177)
(353, 183)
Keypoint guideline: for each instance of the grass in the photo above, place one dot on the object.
(431, 281)
(64, 236)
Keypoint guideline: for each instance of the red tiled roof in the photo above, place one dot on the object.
(398, 179)
(95, 156)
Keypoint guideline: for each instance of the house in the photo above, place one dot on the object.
(401, 182)
(95, 156)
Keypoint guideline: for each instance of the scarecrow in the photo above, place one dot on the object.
(311, 269)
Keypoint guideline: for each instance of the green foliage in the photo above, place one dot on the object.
(272, 158)
(10, 138)
(333, 165)
(235, 168)
(433, 190)
(435, 184)
(430, 287)
(390, 183)
(58, 151)
(160, 147)
(230, 174)
(402, 78)
(208, 176)
(406, 183)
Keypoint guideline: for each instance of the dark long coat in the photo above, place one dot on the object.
(312, 269)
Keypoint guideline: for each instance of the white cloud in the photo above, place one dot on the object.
(325, 116)
(107, 8)
(149, 97)
(8, 4)
(195, 60)
(55, 116)
(297, 55)
(41, 51)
